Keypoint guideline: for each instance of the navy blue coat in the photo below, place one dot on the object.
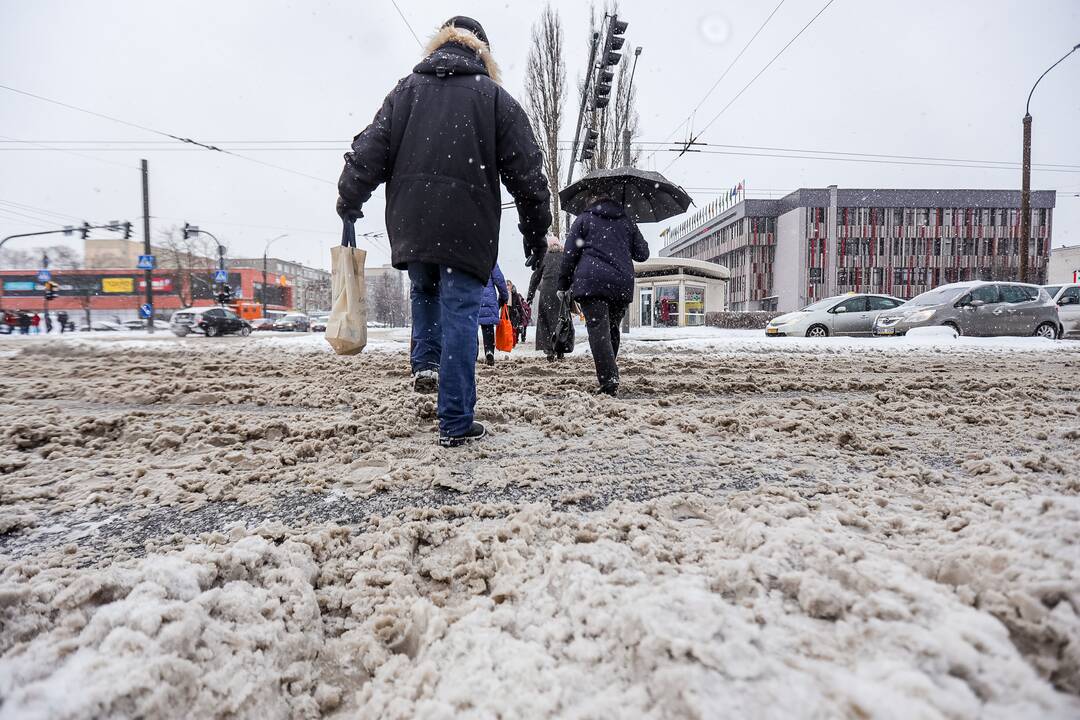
(495, 294)
(601, 250)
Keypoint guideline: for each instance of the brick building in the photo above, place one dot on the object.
(112, 294)
(784, 254)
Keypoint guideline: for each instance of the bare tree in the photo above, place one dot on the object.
(545, 96)
(185, 257)
(61, 257)
(621, 112)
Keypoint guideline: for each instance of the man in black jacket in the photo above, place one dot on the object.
(442, 141)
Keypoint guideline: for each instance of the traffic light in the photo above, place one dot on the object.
(226, 294)
(127, 231)
(613, 42)
(588, 146)
(50, 290)
(190, 230)
(85, 230)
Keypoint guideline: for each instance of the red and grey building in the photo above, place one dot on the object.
(817, 242)
(117, 294)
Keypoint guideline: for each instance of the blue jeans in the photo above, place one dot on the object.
(445, 315)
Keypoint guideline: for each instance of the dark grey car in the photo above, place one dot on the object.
(977, 308)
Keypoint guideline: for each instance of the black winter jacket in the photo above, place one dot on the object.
(441, 141)
(601, 249)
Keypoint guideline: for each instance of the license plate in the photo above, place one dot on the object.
(886, 331)
(771, 331)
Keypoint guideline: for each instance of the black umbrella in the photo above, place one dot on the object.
(647, 196)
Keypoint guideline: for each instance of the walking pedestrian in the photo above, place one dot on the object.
(48, 323)
(545, 281)
(495, 296)
(35, 323)
(598, 271)
(519, 313)
(442, 140)
(62, 318)
(24, 322)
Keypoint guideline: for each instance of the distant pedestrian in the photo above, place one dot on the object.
(62, 318)
(443, 140)
(598, 270)
(35, 323)
(545, 283)
(519, 313)
(491, 303)
(24, 322)
(48, 323)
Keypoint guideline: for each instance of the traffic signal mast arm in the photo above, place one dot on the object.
(86, 227)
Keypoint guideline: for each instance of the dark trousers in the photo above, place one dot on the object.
(602, 318)
(488, 331)
(445, 313)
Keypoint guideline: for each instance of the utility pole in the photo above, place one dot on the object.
(627, 161)
(581, 115)
(1025, 182)
(146, 245)
(266, 249)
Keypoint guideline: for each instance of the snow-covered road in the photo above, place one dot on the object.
(757, 528)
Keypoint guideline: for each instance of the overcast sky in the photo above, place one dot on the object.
(888, 77)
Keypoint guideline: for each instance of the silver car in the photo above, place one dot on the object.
(851, 314)
(977, 308)
(1067, 298)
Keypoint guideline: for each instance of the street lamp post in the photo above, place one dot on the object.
(266, 250)
(1025, 184)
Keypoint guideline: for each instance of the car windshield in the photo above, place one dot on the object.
(1051, 290)
(820, 305)
(292, 318)
(940, 296)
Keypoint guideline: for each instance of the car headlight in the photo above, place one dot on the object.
(920, 316)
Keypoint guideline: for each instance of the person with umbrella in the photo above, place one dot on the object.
(602, 246)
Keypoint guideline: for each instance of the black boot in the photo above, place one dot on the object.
(475, 432)
(489, 359)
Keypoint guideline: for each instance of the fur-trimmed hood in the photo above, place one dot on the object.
(450, 48)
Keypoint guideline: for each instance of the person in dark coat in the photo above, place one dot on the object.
(519, 313)
(62, 318)
(545, 281)
(598, 270)
(24, 323)
(495, 296)
(443, 139)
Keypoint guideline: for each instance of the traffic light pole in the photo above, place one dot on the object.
(146, 244)
(581, 115)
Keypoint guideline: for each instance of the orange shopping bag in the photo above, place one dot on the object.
(504, 332)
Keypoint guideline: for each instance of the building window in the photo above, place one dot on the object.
(666, 305)
(694, 304)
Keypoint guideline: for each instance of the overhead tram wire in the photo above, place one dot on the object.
(406, 21)
(752, 80)
(722, 76)
(654, 145)
(162, 133)
(40, 210)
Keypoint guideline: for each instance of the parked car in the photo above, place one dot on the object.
(102, 326)
(262, 323)
(295, 322)
(212, 321)
(977, 308)
(141, 325)
(318, 322)
(1067, 298)
(851, 314)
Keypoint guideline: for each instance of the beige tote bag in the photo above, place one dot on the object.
(346, 330)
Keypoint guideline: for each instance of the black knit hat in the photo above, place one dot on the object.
(467, 23)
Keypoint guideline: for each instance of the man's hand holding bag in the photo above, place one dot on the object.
(346, 330)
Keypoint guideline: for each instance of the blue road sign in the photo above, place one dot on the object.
(44, 276)
(146, 310)
(146, 262)
(221, 276)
